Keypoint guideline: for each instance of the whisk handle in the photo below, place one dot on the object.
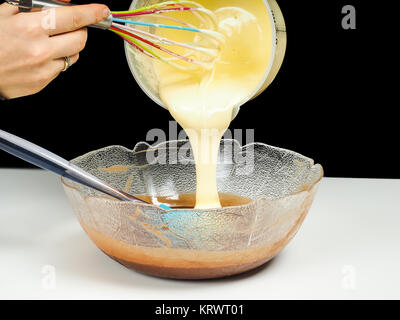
(32, 5)
(35, 5)
(47, 160)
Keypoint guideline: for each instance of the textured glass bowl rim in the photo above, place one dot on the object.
(258, 90)
(75, 186)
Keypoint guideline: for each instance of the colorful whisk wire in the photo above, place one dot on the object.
(198, 53)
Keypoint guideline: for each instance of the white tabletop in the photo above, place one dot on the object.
(347, 248)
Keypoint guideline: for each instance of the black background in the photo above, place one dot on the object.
(333, 99)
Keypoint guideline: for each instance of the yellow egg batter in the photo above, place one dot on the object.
(202, 100)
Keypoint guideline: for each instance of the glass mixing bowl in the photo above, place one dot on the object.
(144, 73)
(190, 243)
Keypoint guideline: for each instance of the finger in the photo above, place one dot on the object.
(76, 17)
(46, 74)
(59, 64)
(68, 44)
(7, 10)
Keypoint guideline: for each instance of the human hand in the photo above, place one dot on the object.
(33, 45)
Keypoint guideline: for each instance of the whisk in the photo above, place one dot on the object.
(132, 26)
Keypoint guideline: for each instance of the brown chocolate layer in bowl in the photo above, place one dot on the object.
(188, 200)
(191, 273)
(188, 264)
(193, 264)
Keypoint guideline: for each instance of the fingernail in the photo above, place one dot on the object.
(106, 12)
